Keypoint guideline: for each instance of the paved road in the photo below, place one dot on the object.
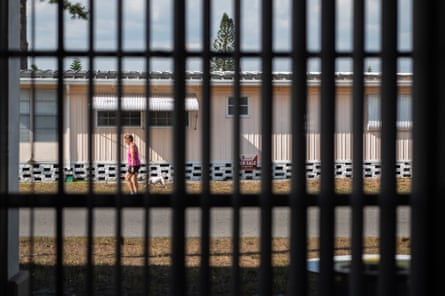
(75, 222)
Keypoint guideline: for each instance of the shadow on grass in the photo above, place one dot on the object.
(75, 283)
(43, 256)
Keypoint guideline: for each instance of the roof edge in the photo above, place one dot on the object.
(193, 75)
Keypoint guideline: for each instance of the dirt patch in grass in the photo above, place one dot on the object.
(40, 259)
(343, 186)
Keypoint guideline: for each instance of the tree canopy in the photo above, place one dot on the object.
(224, 43)
(76, 65)
(76, 10)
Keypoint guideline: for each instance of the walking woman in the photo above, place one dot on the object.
(133, 165)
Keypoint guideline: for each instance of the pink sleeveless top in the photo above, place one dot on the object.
(136, 156)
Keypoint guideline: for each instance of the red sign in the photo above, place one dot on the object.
(249, 161)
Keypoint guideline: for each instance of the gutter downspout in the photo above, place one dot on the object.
(32, 106)
(67, 124)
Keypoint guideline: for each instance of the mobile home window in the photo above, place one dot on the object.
(165, 118)
(128, 118)
(45, 116)
(25, 126)
(404, 111)
(244, 106)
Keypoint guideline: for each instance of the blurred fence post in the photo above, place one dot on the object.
(11, 279)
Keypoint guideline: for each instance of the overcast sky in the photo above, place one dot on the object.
(161, 25)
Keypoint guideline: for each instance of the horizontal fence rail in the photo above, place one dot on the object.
(425, 200)
(190, 200)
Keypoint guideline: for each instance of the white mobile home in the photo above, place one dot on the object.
(38, 149)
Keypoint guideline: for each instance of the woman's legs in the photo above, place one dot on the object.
(128, 180)
(134, 182)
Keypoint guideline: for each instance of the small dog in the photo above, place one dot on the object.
(158, 180)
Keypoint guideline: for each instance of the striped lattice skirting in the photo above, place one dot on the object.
(219, 171)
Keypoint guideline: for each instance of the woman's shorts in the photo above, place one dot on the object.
(133, 169)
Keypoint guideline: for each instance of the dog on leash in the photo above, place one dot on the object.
(158, 180)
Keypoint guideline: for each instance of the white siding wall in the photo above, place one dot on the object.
(403, 145)
(372, 146)
(105, 139)
(43, 151)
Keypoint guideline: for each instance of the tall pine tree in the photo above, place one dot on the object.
(76, 65)
(224, 43)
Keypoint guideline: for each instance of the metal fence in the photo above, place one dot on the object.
(426, 200)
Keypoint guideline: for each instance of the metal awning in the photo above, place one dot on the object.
(138, 103)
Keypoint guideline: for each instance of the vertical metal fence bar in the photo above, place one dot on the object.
(32, 120)
(33, 87)
(236, 224)
(428, 108)
(356, 283)
(147, 216)
(60, 134)
(266, 272)
(327, 188)
(425, 151)
(297, 280)
(90, 209)
(439, 201)
(387, 203)
(178, 202)
(205, 287)
(119, 237)
(31, 249)
(4, 246)
(4, 122)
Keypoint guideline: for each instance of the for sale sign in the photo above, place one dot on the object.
(249, 161)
